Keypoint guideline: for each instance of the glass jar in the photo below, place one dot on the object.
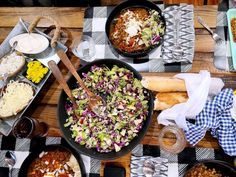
(84, 48)
(180, 143)
(26, 127)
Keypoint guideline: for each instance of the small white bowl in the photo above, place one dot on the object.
(32, 43)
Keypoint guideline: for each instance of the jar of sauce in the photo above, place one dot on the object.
(26, 127)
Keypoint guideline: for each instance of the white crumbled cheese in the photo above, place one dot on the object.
(41, 154)
(140, 42)
(48, 175)
(16, 96)
(117, 148)
(115, 34)
(133, 25)
(46, 162)
(11, 63)
(65, 166)
(42, 171)
(127, 40)
(73, 164)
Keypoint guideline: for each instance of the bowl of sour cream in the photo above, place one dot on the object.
(30, 43)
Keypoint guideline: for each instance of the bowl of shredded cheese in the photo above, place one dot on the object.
(15, 98)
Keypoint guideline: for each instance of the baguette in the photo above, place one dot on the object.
(167, 100)
(164, 84)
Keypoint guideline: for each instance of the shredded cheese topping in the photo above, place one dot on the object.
(16, 96)
(11, 63)
(133, 25)
(73, 163)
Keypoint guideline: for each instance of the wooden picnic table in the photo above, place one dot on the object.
(44, 107)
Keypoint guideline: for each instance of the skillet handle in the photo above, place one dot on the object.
(56, 34)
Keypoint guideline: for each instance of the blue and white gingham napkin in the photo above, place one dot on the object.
(216, 117)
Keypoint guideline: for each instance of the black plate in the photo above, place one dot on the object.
(61, 113)
(224, 168)
(35, 154)
(125, 5)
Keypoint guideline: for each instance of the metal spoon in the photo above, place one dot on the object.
(3, 83)
(155, 167)
(10, 159)
(13, 47)
(23, 24)
(148, 168)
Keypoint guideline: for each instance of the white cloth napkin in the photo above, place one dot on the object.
(199, 87)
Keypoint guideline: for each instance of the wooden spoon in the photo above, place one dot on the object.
(95, 101)
(58, 75)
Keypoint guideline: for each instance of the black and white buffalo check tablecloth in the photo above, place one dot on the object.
(222, 52)
(22, 148)
(176, 165)
(94, 26)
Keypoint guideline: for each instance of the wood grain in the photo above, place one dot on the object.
(44, 107)
(68, 17)
(195, 2)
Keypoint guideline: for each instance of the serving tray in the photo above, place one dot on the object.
(44, 57)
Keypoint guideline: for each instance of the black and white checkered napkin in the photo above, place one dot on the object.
(22, 148)
(94, 26)
(222, 52)
(176, 164)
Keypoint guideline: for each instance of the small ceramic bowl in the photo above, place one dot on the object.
(32, 43)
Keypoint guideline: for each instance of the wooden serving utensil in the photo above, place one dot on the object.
(58, 75)
(95, 101)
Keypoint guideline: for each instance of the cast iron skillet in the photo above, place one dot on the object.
(33, 155)
(61, 113)
(224, 168)
(125, 5)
